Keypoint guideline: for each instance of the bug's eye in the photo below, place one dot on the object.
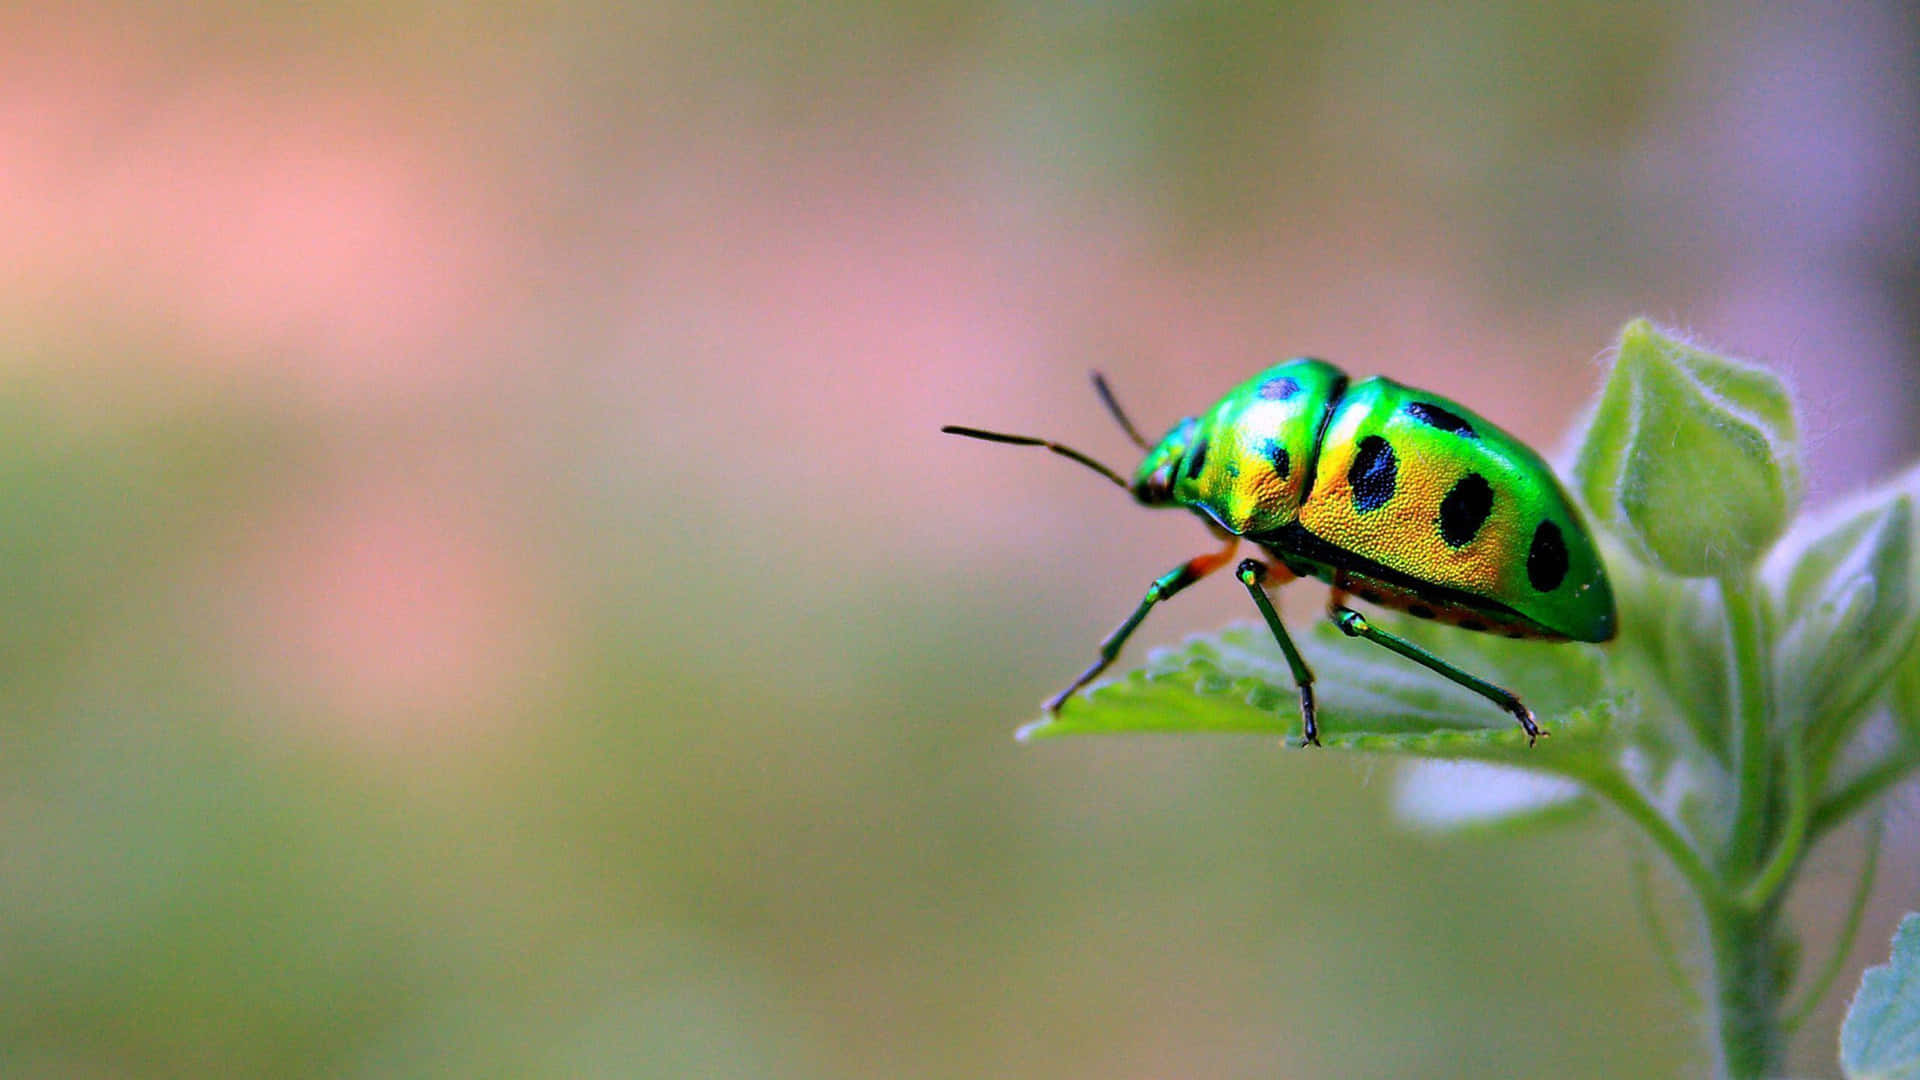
(1159, 483)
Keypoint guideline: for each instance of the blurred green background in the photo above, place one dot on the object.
(486, 596)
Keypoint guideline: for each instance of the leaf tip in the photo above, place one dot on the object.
(1641, 332)
(1035, 729)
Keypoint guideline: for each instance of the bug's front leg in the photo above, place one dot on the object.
(1354, 624)
(1164, 586)
(1253, 574)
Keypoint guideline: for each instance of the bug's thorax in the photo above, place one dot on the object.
(1248, 462)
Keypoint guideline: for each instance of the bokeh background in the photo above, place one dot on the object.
(485, 596)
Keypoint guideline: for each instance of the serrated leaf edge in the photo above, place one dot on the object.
(1906, 939)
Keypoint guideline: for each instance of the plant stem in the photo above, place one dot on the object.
(1746, 974)
(1793, 833)
(1751, 752)
(1742, 914)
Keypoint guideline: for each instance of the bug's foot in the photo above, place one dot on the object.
(1534, 731)
(1309, 732)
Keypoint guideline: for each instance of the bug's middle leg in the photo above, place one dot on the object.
(1164, 586)
(1354, 624)
(1253, 574)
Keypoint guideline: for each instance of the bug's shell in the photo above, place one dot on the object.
(1399, 494)
(1429, 490)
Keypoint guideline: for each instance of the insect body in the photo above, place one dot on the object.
(1394, 495)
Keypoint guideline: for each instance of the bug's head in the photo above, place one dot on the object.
(1153, 480)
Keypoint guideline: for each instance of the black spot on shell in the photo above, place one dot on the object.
(1473, 624)
(1445, 419)
(1420, 611)
(1374, 473)
(1547, 558)
(1465, 509)
(1196, 459)
(1280, 389)
(1368, 595)
(1282, 461)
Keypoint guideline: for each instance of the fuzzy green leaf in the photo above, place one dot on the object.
(1690, 456)
(1235, 681)
(1848, 590)
(1880, 1039)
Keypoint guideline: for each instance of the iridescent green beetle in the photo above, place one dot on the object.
(1394, 495)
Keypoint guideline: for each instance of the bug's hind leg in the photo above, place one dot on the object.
(1253, 574)
(1164, 586)
(1354, 624)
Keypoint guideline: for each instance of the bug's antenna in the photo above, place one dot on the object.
(1113, 406)
(1028, 440)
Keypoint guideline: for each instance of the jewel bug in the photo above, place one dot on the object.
(1390, 494)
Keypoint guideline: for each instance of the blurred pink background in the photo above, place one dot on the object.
(581, 367)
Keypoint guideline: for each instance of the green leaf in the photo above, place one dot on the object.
(1691, 457)
(1880, 1039)
(1236, 682)
(1848, 591)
